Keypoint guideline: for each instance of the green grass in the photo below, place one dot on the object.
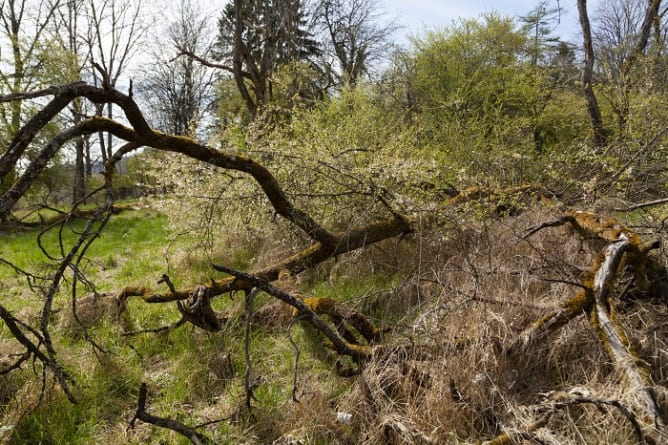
(130, 251)
(135, 248)
(127, 235)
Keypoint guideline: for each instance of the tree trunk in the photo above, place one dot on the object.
(593, 109)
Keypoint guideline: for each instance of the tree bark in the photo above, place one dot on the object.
(593, 109)
(625, 248)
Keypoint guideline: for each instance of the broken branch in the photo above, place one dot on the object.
(162, 422)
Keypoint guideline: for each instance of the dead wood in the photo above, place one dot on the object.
(338, 343)
(513, 436)
(643, 205)
(61, 375)
(310, 256)
(162, 422)
(596, 299)
(616, 342)
(340, 313)
(198, 311)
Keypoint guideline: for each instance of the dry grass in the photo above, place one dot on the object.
(473, 290)
(449, 298)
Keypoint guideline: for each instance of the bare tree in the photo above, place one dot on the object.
(356, 36)
(114, 32)
(177, 89)
(23, 24)
(593, 109)
(68, 34)
(623, 32)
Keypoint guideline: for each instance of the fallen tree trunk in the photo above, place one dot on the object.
(596, 300)
(587, 224)
(617, 344)
(314, 254)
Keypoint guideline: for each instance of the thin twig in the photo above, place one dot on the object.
(297, 353)
(22, 358)
(643, 205)
(250, 296)
(558, 222)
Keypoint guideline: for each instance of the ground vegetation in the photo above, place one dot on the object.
(465, 244)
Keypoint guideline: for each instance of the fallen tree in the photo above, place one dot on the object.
(348, 331)
(193, 302)
(596, 301)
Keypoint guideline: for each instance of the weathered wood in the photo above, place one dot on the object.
(513, 436)
(340, 313)
(616, 342)
(625, 248)
(340, 345)
(162, 422)
(314, 254)
(543, 327)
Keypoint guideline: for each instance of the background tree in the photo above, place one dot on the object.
(593, 110)
(479, 92)
(355, 36)
(255, 38)
(622, 34)
(25, 58)
(539, 24)
(68, 33)
(177, 89)
(113, 34)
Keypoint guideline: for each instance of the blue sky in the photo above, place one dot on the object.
(416, 16)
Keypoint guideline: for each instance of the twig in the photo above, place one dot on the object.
(643, 205)
(297, 353)
(22, 358)
(523, 304)
(159, 330)
(250, 296)
(339, 344)
(49, 362)
(558, 222)
(511, 436)
(162, 422)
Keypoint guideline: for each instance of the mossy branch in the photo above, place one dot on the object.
(305, 259)
(516, 436)
(340, 345)
(625, 247)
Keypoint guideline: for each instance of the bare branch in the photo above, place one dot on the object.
(341, 346)
(162, 422)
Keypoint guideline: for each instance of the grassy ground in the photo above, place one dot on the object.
(192, 375)
(459, 291)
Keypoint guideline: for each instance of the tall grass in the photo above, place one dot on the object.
(447, 299)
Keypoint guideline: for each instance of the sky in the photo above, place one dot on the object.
(416, 16)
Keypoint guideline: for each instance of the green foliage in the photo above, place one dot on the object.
(297, 84)
(477, 102)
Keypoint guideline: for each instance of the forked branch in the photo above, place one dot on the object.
(340, 345)
(163, 422)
